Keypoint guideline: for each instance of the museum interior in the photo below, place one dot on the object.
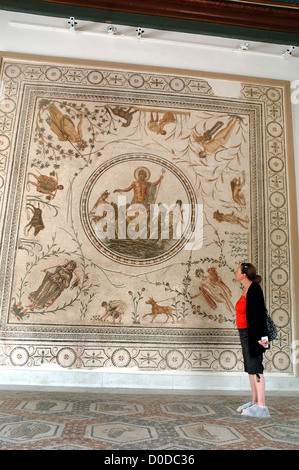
(149, 177)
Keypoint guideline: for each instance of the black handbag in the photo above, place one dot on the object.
(271, 327)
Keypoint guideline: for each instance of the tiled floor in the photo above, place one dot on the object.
(143, 420)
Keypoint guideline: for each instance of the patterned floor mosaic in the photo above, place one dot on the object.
(31, 420)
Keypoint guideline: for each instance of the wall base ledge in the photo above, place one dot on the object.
(77, 380)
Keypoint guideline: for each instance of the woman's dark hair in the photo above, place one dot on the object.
(250, 271)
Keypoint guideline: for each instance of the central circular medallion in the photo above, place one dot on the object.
(138, 209)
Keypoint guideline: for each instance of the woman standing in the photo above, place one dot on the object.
(252, 326)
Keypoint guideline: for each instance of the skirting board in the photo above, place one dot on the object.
(172, 381)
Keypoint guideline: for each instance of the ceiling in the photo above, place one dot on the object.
(261, 20)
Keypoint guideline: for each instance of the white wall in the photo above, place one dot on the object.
(31, 34)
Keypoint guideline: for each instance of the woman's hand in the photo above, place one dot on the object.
(264, 343)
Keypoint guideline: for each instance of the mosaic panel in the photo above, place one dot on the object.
(128, 198)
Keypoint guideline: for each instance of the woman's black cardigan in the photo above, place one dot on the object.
(256, 318)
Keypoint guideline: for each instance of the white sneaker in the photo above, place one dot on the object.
(256, 411)
(245, 406)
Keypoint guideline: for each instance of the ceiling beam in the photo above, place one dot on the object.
(234, 13)
(236, 19)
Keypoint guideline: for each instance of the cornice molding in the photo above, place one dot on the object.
(265, 16)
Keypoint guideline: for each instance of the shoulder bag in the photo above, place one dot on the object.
(271, 327)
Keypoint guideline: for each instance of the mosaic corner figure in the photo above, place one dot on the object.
(53, 284)
(45, 184)
(65, 129)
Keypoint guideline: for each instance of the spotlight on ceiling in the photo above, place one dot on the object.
(245, 46)
(289, 52)
(111, 30)
(72, 23)
(139, 32)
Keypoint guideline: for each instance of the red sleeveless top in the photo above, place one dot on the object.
(241, 312)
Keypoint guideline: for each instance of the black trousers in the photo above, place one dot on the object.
(252, 365)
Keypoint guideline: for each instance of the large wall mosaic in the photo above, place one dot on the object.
(128, 199)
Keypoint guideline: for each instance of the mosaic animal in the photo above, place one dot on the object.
(158, 310)
(36, 221)
(114, 308)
